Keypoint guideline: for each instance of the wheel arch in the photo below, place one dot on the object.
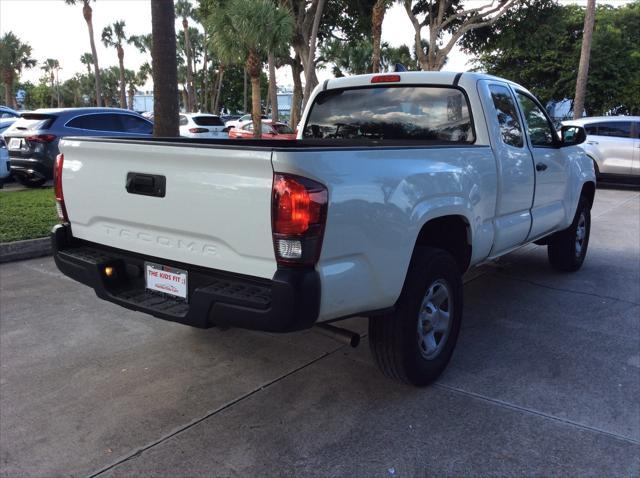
(451, 233)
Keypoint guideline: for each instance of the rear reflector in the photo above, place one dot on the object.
(298, 214)
(41, 138)
(385, 79)
(57, 187)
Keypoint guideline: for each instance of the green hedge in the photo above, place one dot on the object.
(26, 214)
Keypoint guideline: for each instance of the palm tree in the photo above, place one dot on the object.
(165, 69)
(583, 67)
(14, 56)
(141, 42)
(247, 31)
(377, 16)
(87, 60)
(114, 36)
(136, 79)
(50, 66)
(185, 10)
(87, 13)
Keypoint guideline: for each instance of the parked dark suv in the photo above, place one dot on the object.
(33, 139)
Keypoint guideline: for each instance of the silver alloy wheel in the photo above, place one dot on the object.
(434, 319)
(581, 233)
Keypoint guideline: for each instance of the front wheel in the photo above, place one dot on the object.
(416, 342)
(567, 249)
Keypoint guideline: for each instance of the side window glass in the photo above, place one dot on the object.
(96, 122)
(248, 127)
(133, 124)
(636, 126)
(507, 116)
(617, 129)
(591, 129)
(538, 127)
(266, 129)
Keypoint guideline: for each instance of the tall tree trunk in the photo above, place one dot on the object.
(216, 104)
(308, 86)
(87, 12)
(51, 87)
(273, 88)
(132, 93)
(296, 99)
(164, 68)
(185, 97)
(255, 107)
(123, 86)
(377, 17)
(244, 90)
(7, 79)
(253, 67)
(187, 46)
(585, 53)
(205, 76)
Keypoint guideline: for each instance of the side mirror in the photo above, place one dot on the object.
(572, 135)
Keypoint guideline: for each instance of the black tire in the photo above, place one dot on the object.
(394, 339)
(30, 181)
(566, 250)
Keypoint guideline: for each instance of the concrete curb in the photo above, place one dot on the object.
(29, 249)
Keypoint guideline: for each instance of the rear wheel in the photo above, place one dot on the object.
(30, 181)
(567, 249)
(416, 342)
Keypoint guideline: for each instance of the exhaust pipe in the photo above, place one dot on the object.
(341, 335)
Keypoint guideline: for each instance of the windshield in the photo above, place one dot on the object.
(424, 113)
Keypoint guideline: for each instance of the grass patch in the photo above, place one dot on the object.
(27, 214)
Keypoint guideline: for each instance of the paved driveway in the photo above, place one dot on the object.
(545, 381)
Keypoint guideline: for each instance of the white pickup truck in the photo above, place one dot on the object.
(397, 184)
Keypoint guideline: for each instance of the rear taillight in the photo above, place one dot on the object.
(298, 214)
(41, 138)
(57, 186)
(198, 130)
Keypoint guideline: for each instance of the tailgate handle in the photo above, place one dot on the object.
(146, 184)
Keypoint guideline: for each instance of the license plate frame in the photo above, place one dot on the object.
(15, 144)
(166, 280)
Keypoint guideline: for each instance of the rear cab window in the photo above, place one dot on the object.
(406, 113)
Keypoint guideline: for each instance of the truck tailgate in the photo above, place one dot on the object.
(215, 213)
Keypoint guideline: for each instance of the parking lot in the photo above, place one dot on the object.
(545, 381)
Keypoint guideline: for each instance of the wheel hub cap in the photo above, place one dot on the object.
(434, 319)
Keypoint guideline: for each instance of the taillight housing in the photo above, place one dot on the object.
(298, 215)
(57, 187)
(198, 130)
(41, 138)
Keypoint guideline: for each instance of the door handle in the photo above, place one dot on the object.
(592, 142)
(146, 184)
(541, 167)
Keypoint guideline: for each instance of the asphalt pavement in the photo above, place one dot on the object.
(545, 381)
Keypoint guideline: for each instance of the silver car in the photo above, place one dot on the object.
(613, 143)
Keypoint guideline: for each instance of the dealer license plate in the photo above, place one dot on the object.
(167, 280)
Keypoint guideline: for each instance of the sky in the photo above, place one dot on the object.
(56, 30)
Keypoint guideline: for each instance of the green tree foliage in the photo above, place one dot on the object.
(538, 46)
(14, 56)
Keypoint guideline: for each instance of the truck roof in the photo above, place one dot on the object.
(413, 77)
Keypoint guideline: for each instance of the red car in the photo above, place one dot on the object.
(269, 131)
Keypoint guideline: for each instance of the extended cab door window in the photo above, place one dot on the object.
(507, 114)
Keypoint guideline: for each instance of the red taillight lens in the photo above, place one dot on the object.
(41, 138)
(299, 211)
(198, 130)
(385, 79)
(57, 187)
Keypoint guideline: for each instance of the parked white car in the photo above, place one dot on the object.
(5, 165)
(397, 184)
(202, 125)
(613, 143)
(240, 122)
